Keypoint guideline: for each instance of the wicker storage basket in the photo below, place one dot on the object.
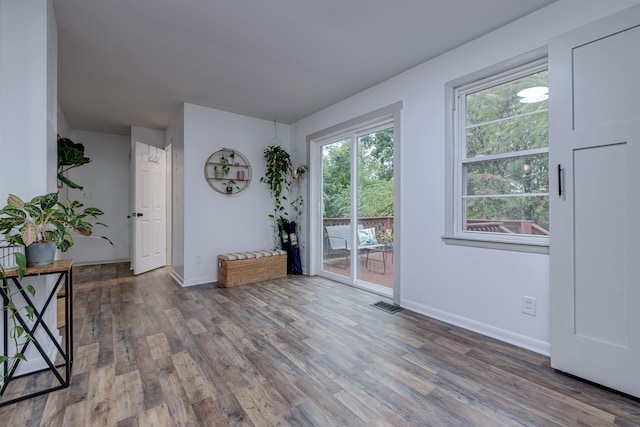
(249, 267)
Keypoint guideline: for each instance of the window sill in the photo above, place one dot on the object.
(483, 242)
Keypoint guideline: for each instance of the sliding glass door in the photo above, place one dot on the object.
(358, 207)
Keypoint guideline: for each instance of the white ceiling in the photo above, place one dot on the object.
(124, 63)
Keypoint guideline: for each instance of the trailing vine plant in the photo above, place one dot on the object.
(298, 202)
(278, 179)
(17, 334)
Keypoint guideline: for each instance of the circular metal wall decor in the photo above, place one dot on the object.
(227, 171)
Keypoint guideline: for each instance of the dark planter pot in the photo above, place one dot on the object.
(42, 253)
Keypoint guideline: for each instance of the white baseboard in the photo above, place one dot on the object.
(199, 281)
(177, 277)
(535, 345)
(117, 261)
(191, 282)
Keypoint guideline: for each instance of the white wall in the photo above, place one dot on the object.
(106, 187)
(28, 98)
(480, 289)
(28, 121)
(216, 223)
(153, 137)
(174, 134)
(64, 129)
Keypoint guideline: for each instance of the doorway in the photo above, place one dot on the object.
(357, 188)
(148, 218)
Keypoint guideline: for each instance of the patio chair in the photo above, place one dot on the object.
(339, 242)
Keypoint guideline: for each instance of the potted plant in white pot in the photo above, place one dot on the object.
(44, 224)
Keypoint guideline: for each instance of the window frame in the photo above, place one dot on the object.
(456, 159)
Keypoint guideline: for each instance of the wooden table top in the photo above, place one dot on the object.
(57, 267)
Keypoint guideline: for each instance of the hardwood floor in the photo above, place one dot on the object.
(293, 351)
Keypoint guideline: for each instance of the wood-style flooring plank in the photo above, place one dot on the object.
(130, 395)
(296, 351)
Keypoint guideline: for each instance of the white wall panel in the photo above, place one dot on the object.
(106, 186)
(599, 100)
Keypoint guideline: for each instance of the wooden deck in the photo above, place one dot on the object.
(296, 351)
(375, 271)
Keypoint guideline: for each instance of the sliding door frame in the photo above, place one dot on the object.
(315, 142)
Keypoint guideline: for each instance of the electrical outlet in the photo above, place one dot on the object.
(529, 305)
(198, 259)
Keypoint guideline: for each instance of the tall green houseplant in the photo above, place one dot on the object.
(278, 179)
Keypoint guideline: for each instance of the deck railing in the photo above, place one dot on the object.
(380, 223)
(524, 226)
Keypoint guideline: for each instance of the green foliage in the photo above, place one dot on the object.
(17, 333)
(277, 177)
(70, 155)
(375, 173)
(45, 219)
(496, 123)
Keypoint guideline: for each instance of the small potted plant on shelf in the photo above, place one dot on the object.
(298, 172)
(222, 169)
(44, 224)
(217, 172)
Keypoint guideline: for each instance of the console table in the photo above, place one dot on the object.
(63, 359)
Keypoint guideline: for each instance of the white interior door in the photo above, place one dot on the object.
(595, 149)
(149, 214)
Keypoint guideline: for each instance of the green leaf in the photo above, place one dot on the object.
(70, 153)
(30, 288)
(33, 210)
(19, 331)
(93, 212)
(15, 213)
(15, 201)
(4, 359)
(30, 312)
(49, 201)
(35, 200)
(29, 233)
(107, 239)
(68, 182)
(73, 204)
(20, 356)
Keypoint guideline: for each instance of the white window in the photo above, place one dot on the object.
(499, 160)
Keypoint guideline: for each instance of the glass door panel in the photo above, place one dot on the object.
(336, 203)
(375, 208)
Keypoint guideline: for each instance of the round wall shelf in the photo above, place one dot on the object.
(227, 171)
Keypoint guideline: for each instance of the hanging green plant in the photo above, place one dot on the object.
(70, 155)
(278, 179)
